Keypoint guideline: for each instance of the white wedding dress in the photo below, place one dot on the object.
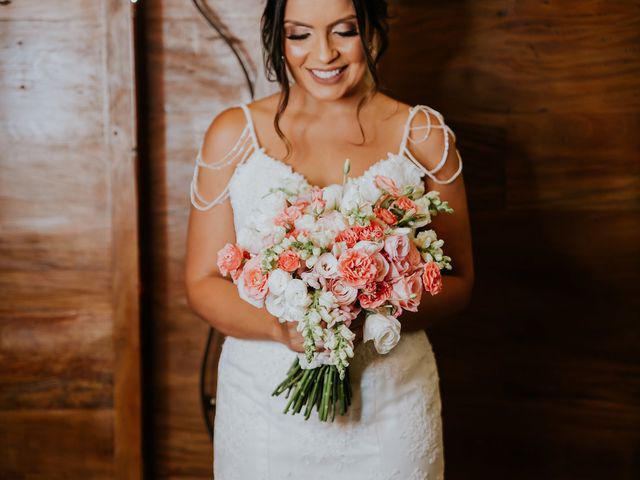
(393, 428)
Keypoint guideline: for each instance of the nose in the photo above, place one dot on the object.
(325, 50)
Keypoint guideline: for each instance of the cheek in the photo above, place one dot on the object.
(353, 51)
(296, 54)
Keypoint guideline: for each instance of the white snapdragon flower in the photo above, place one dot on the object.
(327, 300)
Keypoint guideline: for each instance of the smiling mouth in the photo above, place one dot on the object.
(327, 74)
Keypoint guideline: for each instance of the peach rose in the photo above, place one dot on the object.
(385, 215)
(397, 246)
(374, 294)
(405, 203)
(345, 294)
(407, 292)
(431, 278)
(229, 259)
(356, 268)
(253, 280)
(288, 261)
(385, 183)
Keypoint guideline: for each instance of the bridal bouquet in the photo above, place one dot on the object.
(325, 257)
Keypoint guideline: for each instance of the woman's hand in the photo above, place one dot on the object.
(288, 334)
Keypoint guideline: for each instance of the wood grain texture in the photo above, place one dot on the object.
(540, 376)
(68, 249)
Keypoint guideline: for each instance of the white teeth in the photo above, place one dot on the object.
(325, 74)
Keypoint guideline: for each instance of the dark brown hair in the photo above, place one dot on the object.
(372, 18)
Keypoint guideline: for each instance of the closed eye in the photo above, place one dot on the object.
(298, 37)
(349, 33)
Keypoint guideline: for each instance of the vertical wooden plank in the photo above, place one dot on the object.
(120, 136)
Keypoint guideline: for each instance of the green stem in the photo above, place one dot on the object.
(303, 391)
(294, 397)
(314, 393)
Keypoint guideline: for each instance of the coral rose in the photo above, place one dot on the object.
(374, 294)
(229, 259)
(288, 261)
(405, 203)
(385, 215)
(253, 280)
(357, 268)
(431, 278)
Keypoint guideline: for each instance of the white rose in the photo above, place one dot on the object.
(305, 222)
(278, 281)
(296, 293)
(332, 195)
(369, 191)
(350, 197)
(327, 265)
(275, 305)
(384, 330)
(293, 314)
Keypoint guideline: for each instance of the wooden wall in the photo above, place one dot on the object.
(69, 358)
(541, 376)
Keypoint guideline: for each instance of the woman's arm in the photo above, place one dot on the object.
(453, 228)
(211, 296)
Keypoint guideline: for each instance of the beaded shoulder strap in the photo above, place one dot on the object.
(241, 151)
(407, 137)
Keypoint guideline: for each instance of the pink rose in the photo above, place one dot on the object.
(374, 294)
(385, 183)
(385, 215)
(288, 261)
(229, 259)
(399, 268)
(431, 278)
(253, 280)
(345, 294)
(413, 257)
(382, 266)
(290, 214)
(404, 288)
(356, 268)
(405, 203)
(397, 246)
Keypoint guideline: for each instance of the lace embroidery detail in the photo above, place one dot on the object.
(404, 150)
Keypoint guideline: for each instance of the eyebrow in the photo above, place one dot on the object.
(350, 17)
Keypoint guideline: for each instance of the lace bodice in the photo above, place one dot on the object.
(247, 151)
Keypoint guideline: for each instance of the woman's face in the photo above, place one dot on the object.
(322, 47)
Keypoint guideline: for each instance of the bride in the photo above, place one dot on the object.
(324, 55)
